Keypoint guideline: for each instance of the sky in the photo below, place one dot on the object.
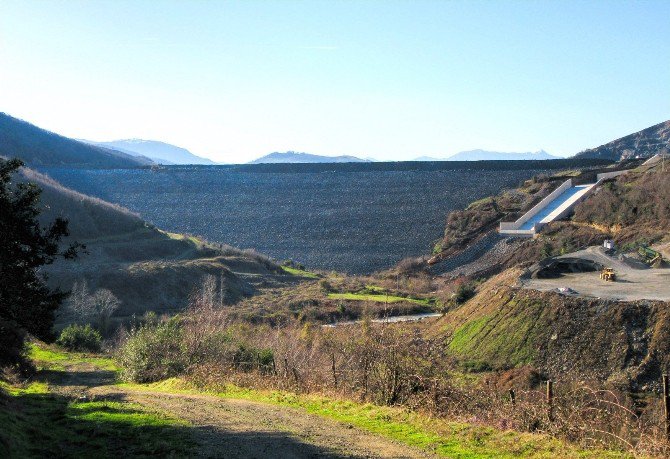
(391, 80)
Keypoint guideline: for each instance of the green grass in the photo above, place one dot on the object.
(378, 297)
(38, 423)
(508, 338)
(52, 358)
(445, 438)
(299, 272)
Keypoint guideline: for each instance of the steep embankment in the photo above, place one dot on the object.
(504, 326)
(40, 148)
(147, 269)
(625, 341)
(643, 144)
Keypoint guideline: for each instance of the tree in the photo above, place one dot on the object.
(104, 304)
(83, 307)
(27, 305)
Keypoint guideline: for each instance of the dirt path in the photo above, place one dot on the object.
(239, 428)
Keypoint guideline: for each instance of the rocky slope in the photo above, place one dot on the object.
(642, 144)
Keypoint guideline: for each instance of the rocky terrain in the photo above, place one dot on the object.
(643, 144)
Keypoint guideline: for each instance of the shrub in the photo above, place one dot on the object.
(80, 338)
(463, 293)
(153, 352)
(249, 358)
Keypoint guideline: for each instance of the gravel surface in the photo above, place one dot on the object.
(632, 283)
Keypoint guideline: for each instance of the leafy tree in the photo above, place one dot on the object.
(27, 305)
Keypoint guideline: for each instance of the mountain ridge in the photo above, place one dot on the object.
(39, 147)
(158, 151)
(292, 157)
(641, 144)
(487, 155)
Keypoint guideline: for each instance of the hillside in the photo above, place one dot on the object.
(148, 269)
(642, 144)
(504, 327)
(159, 152)
(484, 155)
(291, 157)
(566, 330)
(40, 148)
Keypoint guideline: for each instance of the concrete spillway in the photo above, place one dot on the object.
(557, 207)
(558, 204)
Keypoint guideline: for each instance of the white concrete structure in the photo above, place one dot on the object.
(555, 206)
(558, 204)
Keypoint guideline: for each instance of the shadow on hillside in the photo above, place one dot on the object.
(59, 426)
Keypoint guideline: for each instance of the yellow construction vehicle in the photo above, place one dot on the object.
(608, 274)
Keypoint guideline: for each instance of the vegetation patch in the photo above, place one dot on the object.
(377, 297)
(52, 358)
(299, 272)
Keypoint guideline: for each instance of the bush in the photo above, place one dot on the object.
(80, 338)
(249, 358)
(153, 352)
(463, 293)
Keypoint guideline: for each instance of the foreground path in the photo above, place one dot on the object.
(238, 428)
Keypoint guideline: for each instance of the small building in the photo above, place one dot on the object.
(608, 244)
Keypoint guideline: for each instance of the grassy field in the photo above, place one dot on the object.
(51, 358)
(299, 272)
(378, 297)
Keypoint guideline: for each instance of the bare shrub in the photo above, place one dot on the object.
(85, 307)
(384, 364)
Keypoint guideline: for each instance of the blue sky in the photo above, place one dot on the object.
(390, 80)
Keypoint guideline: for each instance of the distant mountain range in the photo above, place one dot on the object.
(159, 152)
(484, 155)
(641, 144)
(290, 157)
(40, 148)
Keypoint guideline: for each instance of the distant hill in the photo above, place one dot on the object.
(484, 155)
(146, 268)
(159, 152)
(40, 148)
(290, 157)
(642, 144)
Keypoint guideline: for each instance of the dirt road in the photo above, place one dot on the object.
(238, 428)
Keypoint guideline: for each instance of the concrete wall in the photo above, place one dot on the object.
(609, 175)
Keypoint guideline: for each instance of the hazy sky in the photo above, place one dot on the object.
(391, 80)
